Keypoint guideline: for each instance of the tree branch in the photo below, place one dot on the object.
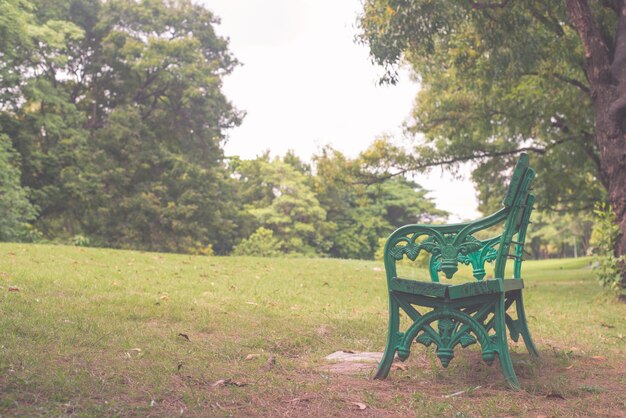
(372, 179)
(612, 4)
(478, 5)
(573, 82)
(597, 55)
(550, 23)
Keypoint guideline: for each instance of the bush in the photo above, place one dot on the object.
(609, 268)
(261, 243)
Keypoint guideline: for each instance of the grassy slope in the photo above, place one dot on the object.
(97, 332)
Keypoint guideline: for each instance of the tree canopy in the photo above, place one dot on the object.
(499, 78)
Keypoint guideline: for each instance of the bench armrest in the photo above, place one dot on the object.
(448, 245)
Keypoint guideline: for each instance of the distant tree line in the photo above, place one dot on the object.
(112, 126)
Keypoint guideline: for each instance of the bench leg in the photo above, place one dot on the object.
(502, 345)
(521, 316)
(392, 339)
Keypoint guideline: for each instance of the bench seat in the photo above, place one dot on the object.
(454, 291)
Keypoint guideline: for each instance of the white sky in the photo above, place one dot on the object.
(305, 83)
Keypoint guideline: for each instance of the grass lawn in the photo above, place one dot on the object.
(102, 332)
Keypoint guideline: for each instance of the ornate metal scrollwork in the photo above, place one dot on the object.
(446, 249)
(453, 328)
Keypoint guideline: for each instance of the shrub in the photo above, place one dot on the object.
(261, 243)
(609, 268)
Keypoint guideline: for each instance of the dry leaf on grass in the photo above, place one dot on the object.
(322, 331)
(228, 382)
(303, 398)
(221, 382)
(452, 395)
(399, 366)
(360, 405)
(270, 363)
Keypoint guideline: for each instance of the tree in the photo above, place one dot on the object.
(17, 212)
(278, 197)
(45, 128)
(260, 244)
(117, 112)
(503, 77)
(362, 213)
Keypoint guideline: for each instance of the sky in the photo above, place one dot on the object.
(304, 83)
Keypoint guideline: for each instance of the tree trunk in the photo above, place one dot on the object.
(605, 68)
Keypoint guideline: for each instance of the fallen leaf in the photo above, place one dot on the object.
(185, 336)
(322, 331)
(452, 395)
(14, 289)
(304, 398)
(359, 405)
(228, 382)
(399, 366)
(270, 363)
(221, 382)
(252, 356)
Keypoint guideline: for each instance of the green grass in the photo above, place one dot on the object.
(98, 332)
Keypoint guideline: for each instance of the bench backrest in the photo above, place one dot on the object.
(519, 201)
(453, 244)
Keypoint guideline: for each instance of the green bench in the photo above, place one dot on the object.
(467, 313)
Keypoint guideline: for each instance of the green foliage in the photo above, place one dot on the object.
(117, 118)
(17, 212)
(117, 113)
(364, 213)
(260, 244)
(495, 81)
(554, 234)
(279, 199)
(609, 268)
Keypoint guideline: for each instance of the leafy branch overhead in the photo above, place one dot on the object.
(501, 77)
